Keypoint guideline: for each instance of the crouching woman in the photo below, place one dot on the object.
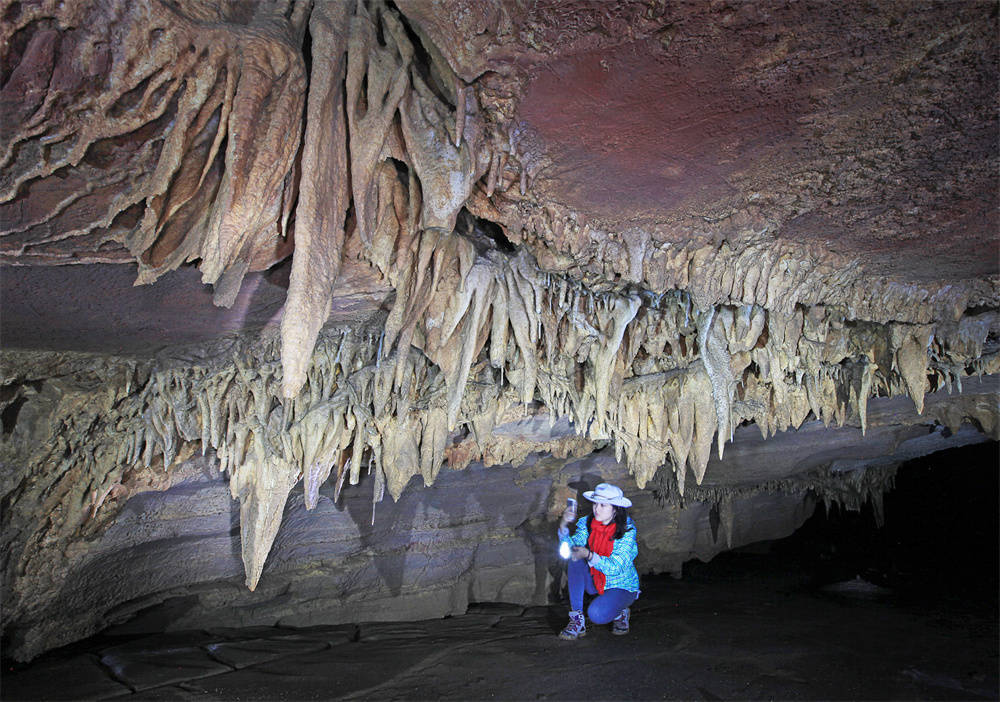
(602, 551)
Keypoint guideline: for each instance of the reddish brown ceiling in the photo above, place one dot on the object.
(870, 130)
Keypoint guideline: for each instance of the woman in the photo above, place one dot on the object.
(601, 554)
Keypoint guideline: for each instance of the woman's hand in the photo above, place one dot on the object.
(568, 515)
(580, 553)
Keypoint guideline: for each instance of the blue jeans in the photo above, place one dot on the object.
(603, 608)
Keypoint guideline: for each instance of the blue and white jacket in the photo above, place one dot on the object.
(618, 568)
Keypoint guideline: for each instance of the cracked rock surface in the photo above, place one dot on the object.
(691, 639)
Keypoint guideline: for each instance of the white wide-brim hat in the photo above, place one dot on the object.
(608, 494)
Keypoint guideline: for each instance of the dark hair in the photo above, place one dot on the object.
(620, 519)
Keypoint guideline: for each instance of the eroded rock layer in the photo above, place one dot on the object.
(163, 550)
(422, 158)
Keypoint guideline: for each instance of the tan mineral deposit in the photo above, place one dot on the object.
(738, 257)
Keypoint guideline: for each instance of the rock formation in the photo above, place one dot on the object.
(649, 226)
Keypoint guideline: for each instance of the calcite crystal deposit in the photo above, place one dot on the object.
(656, 228)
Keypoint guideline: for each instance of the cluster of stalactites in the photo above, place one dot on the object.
(175, 132)
(472, 339)
(759, 268)
(471, 336)
(404, 140)
(171, 130)
(850, 490)
(267, 443)
(856, 488)
(655, 374)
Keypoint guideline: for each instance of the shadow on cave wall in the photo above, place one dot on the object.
(108, 314)
(501, 501)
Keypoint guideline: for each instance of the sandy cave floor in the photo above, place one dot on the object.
(737, 628)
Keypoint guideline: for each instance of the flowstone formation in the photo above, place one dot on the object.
(382, 142)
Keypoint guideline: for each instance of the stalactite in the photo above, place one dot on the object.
(383, 70)
(447, 172)
(911, 360)
(323, 203)
(715, 358)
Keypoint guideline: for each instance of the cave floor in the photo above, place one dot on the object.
(732, 629)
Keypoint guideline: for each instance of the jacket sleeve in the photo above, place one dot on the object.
(577, 538)
(622, 555)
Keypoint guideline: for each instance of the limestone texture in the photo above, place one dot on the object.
(654, 227)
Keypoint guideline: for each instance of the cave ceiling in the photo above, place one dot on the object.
(357, 230)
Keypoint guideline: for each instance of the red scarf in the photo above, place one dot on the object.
(601, 542)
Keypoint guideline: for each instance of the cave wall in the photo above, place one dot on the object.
(169, 555)
(171, 558)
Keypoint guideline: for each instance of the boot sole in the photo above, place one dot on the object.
(570, 637)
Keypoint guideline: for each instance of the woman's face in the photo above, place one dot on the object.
(603, 512)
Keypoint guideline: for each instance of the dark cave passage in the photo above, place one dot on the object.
(940, 535)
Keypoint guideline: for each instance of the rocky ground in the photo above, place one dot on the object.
(738, 628)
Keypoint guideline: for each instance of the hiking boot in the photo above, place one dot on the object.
(620, 625)
(577, 627)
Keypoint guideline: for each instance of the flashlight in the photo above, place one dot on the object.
(564, 546)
